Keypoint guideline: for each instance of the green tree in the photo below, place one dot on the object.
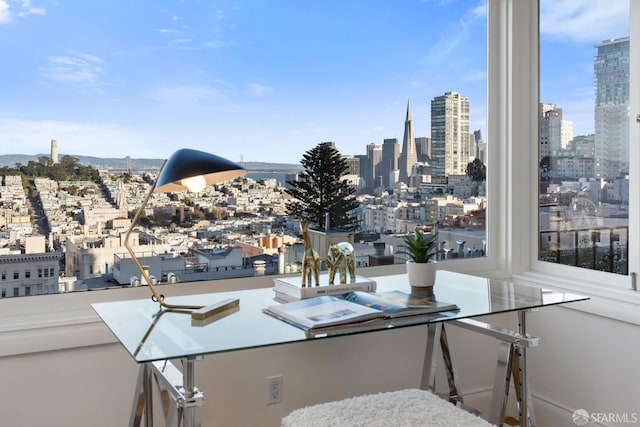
(545, 167)
(320, 190)
(476, 170)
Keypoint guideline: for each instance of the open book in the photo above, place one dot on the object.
(398, 303)
(353, 308)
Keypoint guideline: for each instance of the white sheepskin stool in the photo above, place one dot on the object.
(404, 408)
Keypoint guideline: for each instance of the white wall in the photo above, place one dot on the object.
(95, 385)
(584, 362)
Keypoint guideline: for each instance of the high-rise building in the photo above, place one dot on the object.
(332, 144)
(352, 174)
(54, 151)
(389, 163)
(370, 165)
(409, 155)
(353, 165)
(477, 135)
(423, 147)
(611, 75)
(450, 138)
(479, 147)
(554, 133)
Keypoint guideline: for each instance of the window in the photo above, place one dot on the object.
(584, 136)
(509, 94)
(4, 275)
(588, 138)
(440, 67)
(27, 290)
(16, 292)
(16, 275)
(27, 274)
(4, 293)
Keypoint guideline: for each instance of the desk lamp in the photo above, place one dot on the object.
(190, 170)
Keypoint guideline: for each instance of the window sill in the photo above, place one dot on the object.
(65, 321)
(613, 303)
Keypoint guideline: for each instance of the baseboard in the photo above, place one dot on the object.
(559, 414)
(553, 412)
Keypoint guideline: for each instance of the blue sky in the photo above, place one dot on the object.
(258, 80)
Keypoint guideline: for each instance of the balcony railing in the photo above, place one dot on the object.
(594, 248)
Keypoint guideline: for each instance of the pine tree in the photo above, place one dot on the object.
(320, 190)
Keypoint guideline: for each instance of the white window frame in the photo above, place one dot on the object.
(496, 262)
(611, 294)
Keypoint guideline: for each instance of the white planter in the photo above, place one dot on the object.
(421, 275)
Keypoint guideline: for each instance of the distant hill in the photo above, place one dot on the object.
(11, 160)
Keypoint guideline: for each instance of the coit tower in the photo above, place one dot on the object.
(54, 151)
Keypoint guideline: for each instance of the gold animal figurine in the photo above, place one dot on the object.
(341, 257)
(310, 259)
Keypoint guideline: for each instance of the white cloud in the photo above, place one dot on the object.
(584, 20)
(458, 33)
(27, 9)
(257, 89)
(447, 44)
(77, 67)
(480, 11)
(5, 13)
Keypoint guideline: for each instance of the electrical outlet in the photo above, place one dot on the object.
(274, 389)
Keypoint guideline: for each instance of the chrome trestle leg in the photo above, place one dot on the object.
(193, 398)
(178, 395)
(511, 364)
(142, 405)
(501, 383)
(521, 380)
(428, 381)
(450, 368)
(436, 334)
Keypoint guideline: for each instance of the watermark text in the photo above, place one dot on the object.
(582, 417)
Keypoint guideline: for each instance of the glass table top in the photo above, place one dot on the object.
(150, 334)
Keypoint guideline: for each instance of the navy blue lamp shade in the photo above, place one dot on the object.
(186, 164)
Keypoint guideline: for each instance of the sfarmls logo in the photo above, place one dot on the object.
(582, 417)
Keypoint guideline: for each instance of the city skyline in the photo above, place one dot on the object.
(254, 83)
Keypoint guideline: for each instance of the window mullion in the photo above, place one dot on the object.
(634, 136)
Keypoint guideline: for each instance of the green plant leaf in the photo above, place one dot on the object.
(420, 247)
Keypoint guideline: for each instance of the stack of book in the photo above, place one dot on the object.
(290, 288)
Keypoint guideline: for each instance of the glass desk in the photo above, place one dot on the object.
(154, 337)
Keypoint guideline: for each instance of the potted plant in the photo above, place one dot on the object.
(422, 249)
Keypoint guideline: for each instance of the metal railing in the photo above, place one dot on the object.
(594, 248)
